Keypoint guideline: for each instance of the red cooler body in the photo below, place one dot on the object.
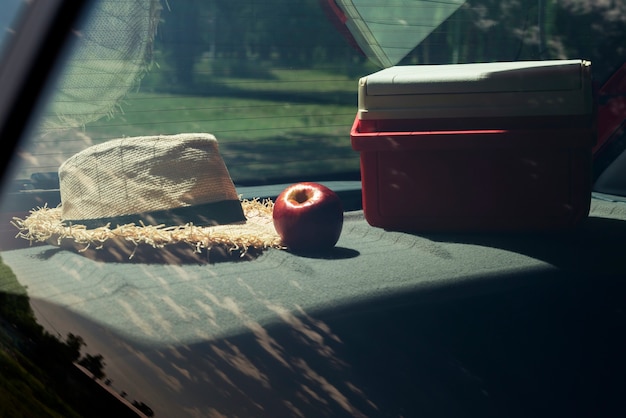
(476, 147)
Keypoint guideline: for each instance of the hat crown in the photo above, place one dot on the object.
(142, 175)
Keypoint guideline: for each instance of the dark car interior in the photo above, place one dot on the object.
(388, 324)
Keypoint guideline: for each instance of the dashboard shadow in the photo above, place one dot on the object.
(596, 245)
(537, 351)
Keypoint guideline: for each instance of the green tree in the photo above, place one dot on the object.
(179, 38)
(95, 364)
(74, 343)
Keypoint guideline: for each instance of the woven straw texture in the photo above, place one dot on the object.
(144, 174)
(112, 52)
(44, 225)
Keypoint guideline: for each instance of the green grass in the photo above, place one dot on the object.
(8, 281)
(230, 118)
(296, 123)
(25, 389)
(23, 394)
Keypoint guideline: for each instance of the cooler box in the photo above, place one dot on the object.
(473, 147)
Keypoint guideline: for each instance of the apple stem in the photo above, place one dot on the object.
(300, 196)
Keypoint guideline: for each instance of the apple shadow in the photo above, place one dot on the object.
(335, 253)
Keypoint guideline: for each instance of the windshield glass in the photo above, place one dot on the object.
(10, 13)
(278, 89)
(218, 106)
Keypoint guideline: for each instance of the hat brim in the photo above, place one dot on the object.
(157, 243)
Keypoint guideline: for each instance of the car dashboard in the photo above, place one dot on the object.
(387, 324)
(390, 323)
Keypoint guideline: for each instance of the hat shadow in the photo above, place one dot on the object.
(186, 255)
(174, 254)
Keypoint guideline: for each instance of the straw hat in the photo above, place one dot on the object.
(167, 192)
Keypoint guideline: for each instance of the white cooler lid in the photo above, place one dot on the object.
(482, 89)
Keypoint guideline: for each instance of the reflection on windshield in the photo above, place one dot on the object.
(387, 34)
(278, 90)
(279, 94)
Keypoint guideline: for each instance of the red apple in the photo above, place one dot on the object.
(308, 217)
